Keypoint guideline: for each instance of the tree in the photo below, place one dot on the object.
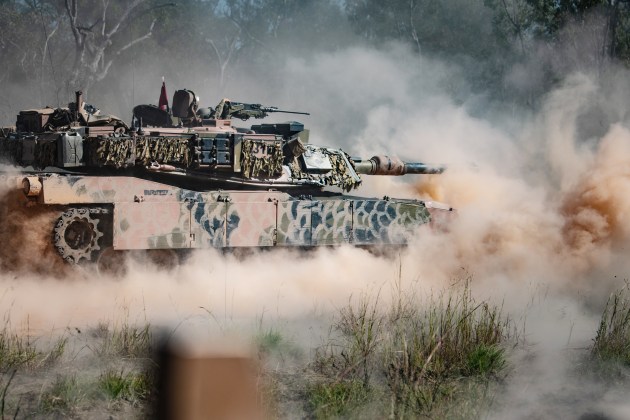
(96, 33)
(606, 20)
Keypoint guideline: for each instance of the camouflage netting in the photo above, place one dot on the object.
(9, 151)
(267, 165)
(45, 153)
(172, 150)
(116, 151)
(340, 175)
(123, 152)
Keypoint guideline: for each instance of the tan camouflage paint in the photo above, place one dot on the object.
(103, 189)
(151, 215)
(148, 225)
(256, 226)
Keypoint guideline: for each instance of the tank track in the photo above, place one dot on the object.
(77, 235)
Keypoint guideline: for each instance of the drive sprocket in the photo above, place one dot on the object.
(77, 235)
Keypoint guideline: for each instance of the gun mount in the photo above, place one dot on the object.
(229, 109)
(186, 110)
(184, 179)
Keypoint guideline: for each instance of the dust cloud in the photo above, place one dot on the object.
(535, 201)
(542, 200)
(26, 233)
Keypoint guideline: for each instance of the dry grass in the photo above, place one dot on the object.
(440, 357)
(611, 346)
(130, 386)
(124, 339)
(18, 351)
(64, 396)
(416, 357)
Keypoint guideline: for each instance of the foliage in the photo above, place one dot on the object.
(126, 340)
(493, 38)
(51, 48)
(337, 399)
(63, 397)
(421, 356)
(116, 384)
(269, 341)
(485, 360)
(5, 388)
(16, 351)
(431, 350)
(612, 342)
(442, 27)
(362, 327)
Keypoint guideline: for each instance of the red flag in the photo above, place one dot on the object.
(163, 104)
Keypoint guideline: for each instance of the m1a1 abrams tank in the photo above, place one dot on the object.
(188, 178)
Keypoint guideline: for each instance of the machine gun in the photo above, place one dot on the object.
(227, 109)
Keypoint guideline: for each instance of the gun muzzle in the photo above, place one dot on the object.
(385, 165)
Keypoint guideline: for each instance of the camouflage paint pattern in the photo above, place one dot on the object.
(152, 215)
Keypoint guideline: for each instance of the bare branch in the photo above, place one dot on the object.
(232, 47)
(71, 8)
(95, 47)
(87, 28)
(48, 37)
(224, 59)
(414, 33)
(101, 75)
(516, 25)
(104, 16)
(243, 28)
(124, 17)
(139, 39)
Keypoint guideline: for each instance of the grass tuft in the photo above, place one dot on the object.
(337, 399)
(130, 386)
(126, 340)
(485, 360)
(269, 341)
(272, 344)
(612, 342)
(16, 351)
(63, 397)
(420, 356)
(56, 352)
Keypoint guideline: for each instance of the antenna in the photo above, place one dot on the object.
(133, 69)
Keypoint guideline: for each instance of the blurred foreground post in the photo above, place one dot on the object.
(197, 383)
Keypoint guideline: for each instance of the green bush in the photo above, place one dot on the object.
(64, 396)
(612, 342)
(337, 399)
(485, 360)
(420, 354)
(120, 385)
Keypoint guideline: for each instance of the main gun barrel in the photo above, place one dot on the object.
(385, 165)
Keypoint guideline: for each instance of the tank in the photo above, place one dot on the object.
(186, 177)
